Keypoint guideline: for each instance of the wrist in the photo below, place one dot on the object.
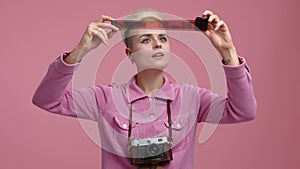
(75, 56)
(79, 51)
(230, 57)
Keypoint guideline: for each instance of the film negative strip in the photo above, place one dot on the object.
(192, 25)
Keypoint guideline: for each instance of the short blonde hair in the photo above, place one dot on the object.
(138, 15)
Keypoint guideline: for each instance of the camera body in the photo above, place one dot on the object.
(145, 151)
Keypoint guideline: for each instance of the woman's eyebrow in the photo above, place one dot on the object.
(149, 35)
(164, 34)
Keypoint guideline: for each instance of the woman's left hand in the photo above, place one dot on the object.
(218, 33)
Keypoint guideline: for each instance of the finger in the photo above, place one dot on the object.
(99, 26)
(104, 18)
(213, 18)
(111, 34)
(101, 36)
(94, 28)
(91, 30)
(207, 13)
(103, 32)
(207, 33)
(96, 31)
(100, 29)
(107, 25)
(219, 24)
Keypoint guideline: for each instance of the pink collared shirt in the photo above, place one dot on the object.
(109, 106)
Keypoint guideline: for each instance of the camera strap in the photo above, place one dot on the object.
(169, 121)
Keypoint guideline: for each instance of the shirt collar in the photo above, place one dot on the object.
(166, 92)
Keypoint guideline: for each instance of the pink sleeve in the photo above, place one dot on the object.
(52, 94)
(238, 106)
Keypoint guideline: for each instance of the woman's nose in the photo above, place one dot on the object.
(157, 44)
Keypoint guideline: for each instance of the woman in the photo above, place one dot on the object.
(148, 108)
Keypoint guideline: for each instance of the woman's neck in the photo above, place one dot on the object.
(150, 80)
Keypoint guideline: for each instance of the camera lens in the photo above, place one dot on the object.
(153, 150)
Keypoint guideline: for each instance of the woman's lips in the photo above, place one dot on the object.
(158, 55)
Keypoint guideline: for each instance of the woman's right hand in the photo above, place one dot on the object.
(94, 35)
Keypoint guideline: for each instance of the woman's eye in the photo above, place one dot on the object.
(146, 41)
(163, 39)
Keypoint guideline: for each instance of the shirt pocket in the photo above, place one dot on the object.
(121, 129)
(180, 130)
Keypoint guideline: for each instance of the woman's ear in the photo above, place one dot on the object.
(128, 53)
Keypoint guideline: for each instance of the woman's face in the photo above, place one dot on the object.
(149, 49)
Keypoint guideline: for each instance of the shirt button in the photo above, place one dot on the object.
(152, 116)
(124, 126)
(150, 99)
(178, 126)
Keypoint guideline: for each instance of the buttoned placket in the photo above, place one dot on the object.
(151, 100)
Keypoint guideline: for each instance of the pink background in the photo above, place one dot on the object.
(34, 32)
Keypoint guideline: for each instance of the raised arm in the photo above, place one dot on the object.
(94, 35)
(240, 104)
(219, 35)
(52, 93)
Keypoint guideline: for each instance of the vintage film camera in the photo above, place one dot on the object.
(149, 151)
